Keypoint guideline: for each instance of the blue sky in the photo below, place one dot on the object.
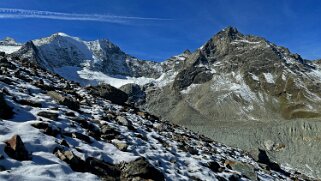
(158, 29)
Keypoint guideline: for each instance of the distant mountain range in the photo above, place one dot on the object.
(238, 89)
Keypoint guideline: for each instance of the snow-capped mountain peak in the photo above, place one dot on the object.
(9, 45)
(88, 60)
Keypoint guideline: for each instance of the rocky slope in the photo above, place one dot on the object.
(237, 89)
(53, 129)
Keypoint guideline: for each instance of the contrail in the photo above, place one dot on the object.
(7, 13)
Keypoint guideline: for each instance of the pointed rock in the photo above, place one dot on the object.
(15, 148)
(76, 163)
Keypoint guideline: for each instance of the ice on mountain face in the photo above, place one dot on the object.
(238, 86)
(283, 76)
(9, 49)
(269, 78)
(245, 41)
(87, 77)
(254, 77)
(189, 88)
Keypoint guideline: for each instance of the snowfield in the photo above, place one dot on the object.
(9, 49)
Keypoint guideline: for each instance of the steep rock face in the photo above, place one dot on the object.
(240, 69)
(248, 85)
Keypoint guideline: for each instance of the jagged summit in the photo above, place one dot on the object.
(187, 52)
(9, 41)
(230, 32)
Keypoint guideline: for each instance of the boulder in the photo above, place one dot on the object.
(64, 100)
(246, 169)
(214, 166)
(81, 137)
(122, 146)
(49, 115)
(28, 102)
(5, 110)
(123, 121)
(75, 163)
(46, 128)
(108, 132)
(134, 92)
(140, 169)
(108, 92)
(104, 170)
(264, 158)
(15, 149)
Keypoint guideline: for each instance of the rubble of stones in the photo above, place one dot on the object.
(109, 127)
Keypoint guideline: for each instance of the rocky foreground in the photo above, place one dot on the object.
(54, 129)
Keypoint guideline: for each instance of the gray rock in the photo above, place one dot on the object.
(104, 170)
(120, 145)
(123, 121)
(140, 169)
(28, 102)
(134, 92)
(46, 128)
(214, 166)
(108, 132)
(75, 163)
(246, 169)
(81, 137)
(64, 100)
(109, 92)
(49, 115)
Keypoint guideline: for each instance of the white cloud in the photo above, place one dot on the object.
(7, 13)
